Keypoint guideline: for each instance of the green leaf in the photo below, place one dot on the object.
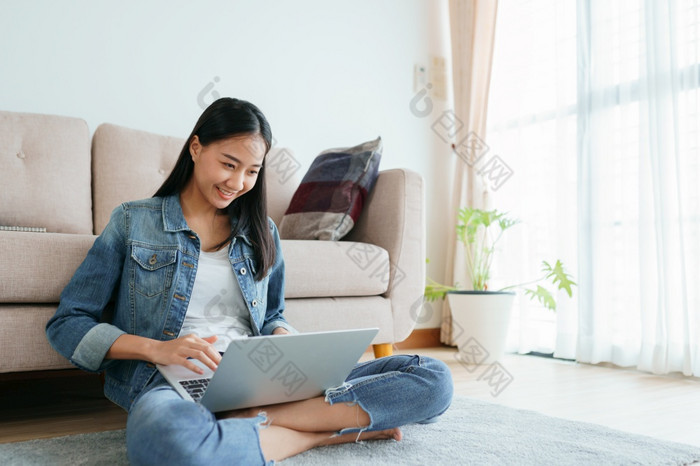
(479, 231)
(559, 276)
(543, 296)
(434, 290)
(433, 294)
(505, 223)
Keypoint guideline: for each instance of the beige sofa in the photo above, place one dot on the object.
(54, 177)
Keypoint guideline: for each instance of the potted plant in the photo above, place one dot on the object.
(482, 315)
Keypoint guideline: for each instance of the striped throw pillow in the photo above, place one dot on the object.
(329, 200)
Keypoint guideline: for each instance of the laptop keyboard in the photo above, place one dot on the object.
(195, 387)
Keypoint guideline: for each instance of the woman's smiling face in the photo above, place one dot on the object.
(225, 170)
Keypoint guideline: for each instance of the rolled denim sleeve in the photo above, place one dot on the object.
(93, 347)
(274, 314)
(75, 330)
(270, 327)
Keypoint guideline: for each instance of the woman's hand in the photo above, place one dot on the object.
(280, 331)
(179, 351)
(167, 352)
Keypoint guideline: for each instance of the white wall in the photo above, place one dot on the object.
(326, 74)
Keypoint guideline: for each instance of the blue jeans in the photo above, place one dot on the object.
(162, 428)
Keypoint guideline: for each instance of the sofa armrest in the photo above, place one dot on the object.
(393, 218)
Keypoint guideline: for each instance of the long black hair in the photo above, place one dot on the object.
(223, 119)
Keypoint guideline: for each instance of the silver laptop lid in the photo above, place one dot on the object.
(263, 370)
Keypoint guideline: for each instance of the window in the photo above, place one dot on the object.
(591, 104)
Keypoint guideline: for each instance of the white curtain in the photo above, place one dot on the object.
(472, 26)
(532, 128)
(638, 193)
(597, 106)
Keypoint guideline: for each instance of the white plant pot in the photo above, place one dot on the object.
(480, 324)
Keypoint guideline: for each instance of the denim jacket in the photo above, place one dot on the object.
(143, 267)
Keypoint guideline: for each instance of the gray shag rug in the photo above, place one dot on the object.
(470, 432)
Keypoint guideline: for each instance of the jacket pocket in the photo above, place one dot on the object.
(152, 269)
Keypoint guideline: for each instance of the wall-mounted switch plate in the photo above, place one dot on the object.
(420, 77)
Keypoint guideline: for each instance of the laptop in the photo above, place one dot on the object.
(263, 370)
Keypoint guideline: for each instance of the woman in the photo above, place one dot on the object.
(160, 264)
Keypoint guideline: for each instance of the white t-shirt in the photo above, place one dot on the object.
(216, 306)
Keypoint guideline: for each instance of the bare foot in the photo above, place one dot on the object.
(387, 434)
(278, 443)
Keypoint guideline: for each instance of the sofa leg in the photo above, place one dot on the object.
(383, 349)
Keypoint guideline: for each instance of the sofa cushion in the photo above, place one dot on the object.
(317, 269)
(23, 343)
(37, 266)
(330, 198)
(281, 179)
(44, 263)
(45, 175)
(316, 314)
(127, 165)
